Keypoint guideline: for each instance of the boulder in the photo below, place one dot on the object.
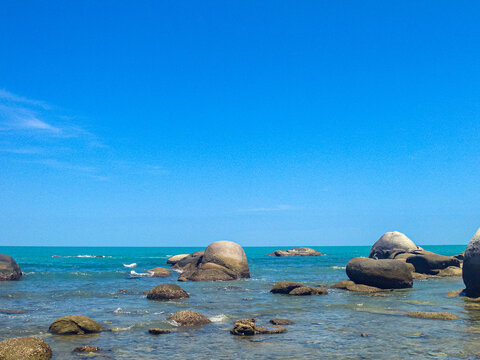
(9, 269)
(307, 290)
(189, 318)
(74, 325)
(25, 348)
(159, 272)
(281, 322)
(392, 243)
(383, 274)
(297, 289)
(342, 284)
(193, 258)
(433, 315)
(167, 292)
(471, 267)
(428, 262)
(362, 288)
(300, 251)
(284, 287)
(221, 261)
(247, 327)
(176, 258)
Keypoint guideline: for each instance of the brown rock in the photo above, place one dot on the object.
(189, 318)
(159, 272)
(300, 251)
(25, 348)
(342, 284)
(87, 349)
(307, 290)
(362, 288)
(176, 258)
(167, 292)
(9, 269)
(454, 293)
(284, 287)
(281, 322)
(74, 325)
(433, 315)
(450, 271)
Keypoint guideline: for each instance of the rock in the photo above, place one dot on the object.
(7, 311)
(281, 322)
(342, 284)
(74, 325)
(176, 258)
(307, 290)
(284, 287)
(418, 276)
(429, 263)
(460, 256)
(156, 331)
(362, 288)
(189, 318)
(9, 269)
(87, 349)
(222, 261)
(454, 293)
(167, 292)
(159, 272)
(247, 327)
(364, 335)
(192, 259)
(391, 243)
(471, 267)
(433, 315)
(450, 271)
(25, 348)
(300, 251)
(384, 274)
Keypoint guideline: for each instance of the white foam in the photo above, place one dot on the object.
(218, 318)
(133, 273)
(130, 265)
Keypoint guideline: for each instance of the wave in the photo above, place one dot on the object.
(130, 265)
(80, 256)
(338, 267)
(134, 274)
(218, 318)
(178, 271)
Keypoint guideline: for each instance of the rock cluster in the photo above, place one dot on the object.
(294, 288)
(300, 251)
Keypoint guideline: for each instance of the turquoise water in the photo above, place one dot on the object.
(328, 327)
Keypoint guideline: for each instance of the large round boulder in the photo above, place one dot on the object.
(189, 318)
(427, 262)
(391, 243)
(9, 269)
(25, 348)
(221, 261)
(167, 292)
(471, 267)
(74, 325)
(383, 274)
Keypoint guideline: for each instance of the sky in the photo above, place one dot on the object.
(267, 123)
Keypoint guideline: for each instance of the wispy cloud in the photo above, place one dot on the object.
(282, 207)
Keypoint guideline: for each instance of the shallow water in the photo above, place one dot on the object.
(328, 327)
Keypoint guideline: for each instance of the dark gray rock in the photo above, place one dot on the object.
(383, 274)
(9, 269)
(471, 267)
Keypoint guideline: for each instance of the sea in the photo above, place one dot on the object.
(94, 281)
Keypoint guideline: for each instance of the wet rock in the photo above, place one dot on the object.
(176, 258)
(86, 349)
(284, 287)
(362, 288)
(167, 292)
(74, 325)
(192, 259)
(189, 318)
(281, 322)
(222, 261)
(275, 329)
(471, 267)
(342, 284)
(433, 315)
(157, 331)
(418, 276)
(307, 290)
(159, 272)
(450, 271)
(300, 251)
(247, 327)
(454, 293)
(10, 312)
(384, 274)
(9, 269)
(392, 243)
(428, 262)
(25, 348)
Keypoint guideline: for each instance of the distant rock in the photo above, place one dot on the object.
(433, 315)
(471, 267)
(296, 289)
(25, 348)
(9, 269)
(74, 325)
(176, 258)
(221, 261)
(159, 272)
(167, 292)
(300, 251)
(189, 318)
(383, 274)
(391, 243)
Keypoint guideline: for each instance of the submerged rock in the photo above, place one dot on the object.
(363, 288)
(383, 274)
(9, 269)
(471, 267)
(454, 293)
(433, 315)
(391, 243)
(86, 349)
(247, 327)
(176, 258)
(189, 318)
(281, 322)
(74, 325)
(167, 292)
(221, 261)
(342, 284)
(25, 348)
(300, 251)
(156, 331)
(159, 272)
(294, 288)
(307, 290)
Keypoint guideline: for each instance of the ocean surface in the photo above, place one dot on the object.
(327, 327)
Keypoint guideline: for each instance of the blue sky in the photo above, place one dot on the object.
(166, 123)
